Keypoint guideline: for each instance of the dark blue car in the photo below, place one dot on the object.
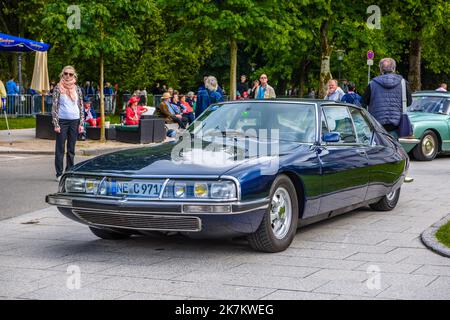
(253, 168)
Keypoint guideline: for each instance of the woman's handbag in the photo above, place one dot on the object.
(405, 128)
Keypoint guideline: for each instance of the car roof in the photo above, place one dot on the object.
(431, 93)
(295, 100)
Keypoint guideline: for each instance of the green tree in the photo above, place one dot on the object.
(105, 31)
(232, 22)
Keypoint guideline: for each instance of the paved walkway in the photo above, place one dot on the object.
(24, 141)
(361, 255)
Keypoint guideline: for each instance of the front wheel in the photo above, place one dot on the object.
(388, 202)
(428, 147)
(279, 225)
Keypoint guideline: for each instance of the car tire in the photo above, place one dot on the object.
(108, 234)
(279, 224)
(388, 202)
(428, 147)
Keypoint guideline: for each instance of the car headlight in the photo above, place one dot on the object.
(179, 190)
(223, 190)
(92, 186)
(190, 190)
(174, 189)
(201, 190)
(75, 185)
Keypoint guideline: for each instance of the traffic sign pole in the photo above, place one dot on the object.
(370, 56)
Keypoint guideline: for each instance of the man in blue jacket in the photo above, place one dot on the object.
(12, 90)
(351, 96)
(383, 97)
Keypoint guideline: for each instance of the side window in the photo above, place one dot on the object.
(363, 130)
(339, 120)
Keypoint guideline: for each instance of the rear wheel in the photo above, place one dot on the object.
(428, 147)
(388, 202)
(279, 225)
(108, 234)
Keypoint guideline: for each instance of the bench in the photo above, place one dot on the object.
(149, 130)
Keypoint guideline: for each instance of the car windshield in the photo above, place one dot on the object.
(294, 122)
(429, 105)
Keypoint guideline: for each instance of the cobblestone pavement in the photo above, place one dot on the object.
(361, 255)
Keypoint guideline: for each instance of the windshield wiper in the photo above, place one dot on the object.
(230, 133)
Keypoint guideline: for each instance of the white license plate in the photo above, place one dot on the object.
(141, 189)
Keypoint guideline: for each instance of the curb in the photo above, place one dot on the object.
(35, 152)
(428, 238)
(81, 152)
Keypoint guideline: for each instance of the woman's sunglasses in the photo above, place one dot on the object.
(69, 74)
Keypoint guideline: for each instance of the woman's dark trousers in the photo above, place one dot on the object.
(69, 133)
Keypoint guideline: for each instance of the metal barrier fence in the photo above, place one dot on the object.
(29, 105)
(26, 104)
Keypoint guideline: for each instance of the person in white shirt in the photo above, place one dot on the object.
(334, 93)
(68, 118)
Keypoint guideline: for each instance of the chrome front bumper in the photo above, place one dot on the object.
(212, 219)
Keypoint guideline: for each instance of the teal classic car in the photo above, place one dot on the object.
(429, 114)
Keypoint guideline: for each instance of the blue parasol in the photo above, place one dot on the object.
(16, 44)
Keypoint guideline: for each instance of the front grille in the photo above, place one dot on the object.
(140, 221)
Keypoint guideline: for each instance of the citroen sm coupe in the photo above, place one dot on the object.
(259, 169)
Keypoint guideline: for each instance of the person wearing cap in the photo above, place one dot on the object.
(170, 112)
(90, 117)
(134, 111)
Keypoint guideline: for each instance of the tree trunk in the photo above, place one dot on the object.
(326, 49)
(102, 100)
(415, 56)
(233, 69)
(303, 75)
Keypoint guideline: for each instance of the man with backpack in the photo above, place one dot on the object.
(351, 96)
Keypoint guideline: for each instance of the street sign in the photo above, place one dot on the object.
(370, 55)
(370, 62)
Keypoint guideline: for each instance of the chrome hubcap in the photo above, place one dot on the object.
(280, 213)
(391, 196)
(428, 146)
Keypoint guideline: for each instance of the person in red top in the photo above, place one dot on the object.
(133, 112)
(187, 109)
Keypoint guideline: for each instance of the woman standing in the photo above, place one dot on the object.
(68, 118)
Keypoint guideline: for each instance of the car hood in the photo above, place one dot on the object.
(424, 116)
(183, 158)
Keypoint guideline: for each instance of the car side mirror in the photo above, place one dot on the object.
(331, 137)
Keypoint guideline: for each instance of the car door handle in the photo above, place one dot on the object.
(361, 151)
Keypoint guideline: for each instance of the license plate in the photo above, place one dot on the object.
(138, 189)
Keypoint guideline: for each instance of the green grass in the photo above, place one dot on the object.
(30, 122)
(443, 234)
(18, 123)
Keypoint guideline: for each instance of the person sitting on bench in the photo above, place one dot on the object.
(90, 117)
(134, 111)
(170, 112)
